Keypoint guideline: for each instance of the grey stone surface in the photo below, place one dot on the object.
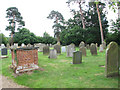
(93, 49)
(2, 46)
(77, 57)
(46, 50)
(111, 67)
(82, 44)
(4, 51)
(53, 53)
(83, 50)
(15, 45)
(29, 45)
(58, 49)
(63, 48)
(70, 50)
(101, 48)
(40, 45)
(104, 45)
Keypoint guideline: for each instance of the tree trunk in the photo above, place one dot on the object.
(83, 22)
(12, 30)
(101, 30)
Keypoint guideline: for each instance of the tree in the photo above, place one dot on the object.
(25, 36)
(14, 16)
(3, 39)
(80, 2)
(58, 19)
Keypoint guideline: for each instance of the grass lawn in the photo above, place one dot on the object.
(60, 73)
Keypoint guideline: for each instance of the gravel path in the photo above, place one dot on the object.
(8, 83)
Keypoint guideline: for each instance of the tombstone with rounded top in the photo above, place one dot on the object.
(83, 50)
(101, 48)
(93, 49)
(111, 67)
(82, 44)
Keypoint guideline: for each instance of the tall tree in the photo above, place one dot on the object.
(80, 2)
(58, 19)
(14, 16)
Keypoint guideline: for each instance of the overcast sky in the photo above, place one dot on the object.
(34, 13)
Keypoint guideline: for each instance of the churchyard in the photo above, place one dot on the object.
(65, 68)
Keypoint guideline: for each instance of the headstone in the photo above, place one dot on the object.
(70, 50)
(8, 46)
(29, 45)
(22, 45)
(4, 51)
(63, 48)
(46, 50)
(112, 60)
(72, 45)
(93, 49)
(87, 46)
(104, 45)
(15, 45)
(77, 57)
(58, 49)
(83, 50)
(101, 48)
(82, 44)
(40, 49)
(2, 46)
(53, 53)
(58, 43)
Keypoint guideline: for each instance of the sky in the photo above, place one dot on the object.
(35, 12)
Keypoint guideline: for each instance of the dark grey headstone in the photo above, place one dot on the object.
(112, 60)
(58, 48)
(4, 51)
(93, 49)
(77, 57)
(46, 50)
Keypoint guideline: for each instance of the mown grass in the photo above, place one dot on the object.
(60, 73)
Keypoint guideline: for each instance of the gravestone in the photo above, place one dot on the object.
(8, 46)
(2, 46)
(4, 51)
(70, 50)
(58, 49)
(29, 45)
(58, 43)
(15, 45)
(82, 44)
(93, 49)
(72, 45)
(46, 50)
(83, 50)
(63, 48)
(101, 48)
(104, 45)
(111, 66)
(77, 57)
(53, 53)
(40, 45)
(87, 46)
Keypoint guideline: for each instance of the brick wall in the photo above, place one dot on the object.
(26, 57)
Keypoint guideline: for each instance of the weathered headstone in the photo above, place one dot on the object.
(4, 51)
(15, 45)
(111, 67)
(101, 48)
(46, 50)
(72, 45)
(93, 49)
(63, 48)
(77, 57)
(82, 44)
(104, 45)
(40, 45)
(8, 46)
(87, 46)
(58, 49)
(83, 50)
(70, 50)
(53, 53)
